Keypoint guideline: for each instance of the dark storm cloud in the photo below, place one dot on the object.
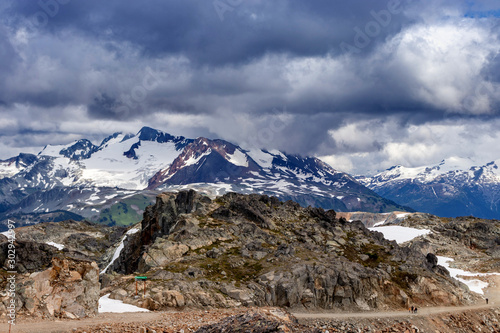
(331, 63)
(217, 52)
(193, 28)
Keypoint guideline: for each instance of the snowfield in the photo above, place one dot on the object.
(475, 285)
(400, 234)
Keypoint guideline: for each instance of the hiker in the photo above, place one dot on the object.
(415, 310)
(486, 301)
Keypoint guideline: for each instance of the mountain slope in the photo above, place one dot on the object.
(454, 187)
(309, 181)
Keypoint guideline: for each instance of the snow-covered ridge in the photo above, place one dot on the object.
(153, 160)
(454, 167)
(130, 161)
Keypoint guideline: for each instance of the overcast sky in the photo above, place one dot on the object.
(364, 84)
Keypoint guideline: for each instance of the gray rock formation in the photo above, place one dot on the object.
(256, 250)
(80, 240)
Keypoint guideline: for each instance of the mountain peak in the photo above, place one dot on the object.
(109, 138)
(151, 134)
(81, 149)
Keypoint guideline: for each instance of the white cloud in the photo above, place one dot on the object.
(419, 145)
(444, 63)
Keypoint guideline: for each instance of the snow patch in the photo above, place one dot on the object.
(193, 160)
(265, 160)
(400, 234)
(56, 245)
(475, 285)
(107, 304)
(120, 248)
(238, 158)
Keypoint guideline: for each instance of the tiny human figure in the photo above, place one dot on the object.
(415, 310)
(412, 309)
(486, 301)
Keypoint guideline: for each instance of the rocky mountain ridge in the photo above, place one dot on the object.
(454, 187)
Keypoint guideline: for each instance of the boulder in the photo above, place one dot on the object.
(259, 321)
(70, 289)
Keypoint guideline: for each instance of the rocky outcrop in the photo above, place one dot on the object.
(255, 250)
(68, 289)
(30, 256)
(75, 239)
(259, 321)
(473, 243)
(370, 219)
(158, 221)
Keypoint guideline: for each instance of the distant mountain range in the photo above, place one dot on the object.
(454, 187)
(114, 181)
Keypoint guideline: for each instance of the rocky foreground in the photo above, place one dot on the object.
(240, 251)
(253, 250)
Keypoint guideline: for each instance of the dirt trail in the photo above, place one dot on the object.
(493, 294)
(49, 326)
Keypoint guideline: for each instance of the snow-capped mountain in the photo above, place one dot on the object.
(86, 179)
(454, 187)
(222, 166)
